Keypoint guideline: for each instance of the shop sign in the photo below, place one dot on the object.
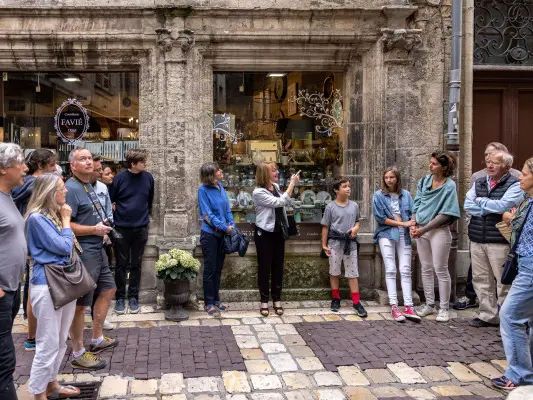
(71, 121)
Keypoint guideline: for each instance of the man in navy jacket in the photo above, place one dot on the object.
(132, 194)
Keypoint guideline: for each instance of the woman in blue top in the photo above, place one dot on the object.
(50, 241)
(217, 221)
(435, 208)
(393, 208)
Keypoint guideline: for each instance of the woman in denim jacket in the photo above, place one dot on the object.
(516, 313)
(392, 207)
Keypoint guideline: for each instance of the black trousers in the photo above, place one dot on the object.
(129, 253)
(470, 292)
(270, 247)
(26, 295)
(213, 250)
(9, 307)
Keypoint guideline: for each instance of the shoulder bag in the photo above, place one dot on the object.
(510, 268)
(288, 229)
(68, 282)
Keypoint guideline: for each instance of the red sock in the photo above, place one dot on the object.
(355, 297)
(335, 293)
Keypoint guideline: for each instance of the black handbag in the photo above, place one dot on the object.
(510, 268)
(293, 230)
(67, 283)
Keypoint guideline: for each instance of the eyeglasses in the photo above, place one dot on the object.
(493, 163)
(63, 189)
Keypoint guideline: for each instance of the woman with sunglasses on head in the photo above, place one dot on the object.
(50, 241)
(435, 208)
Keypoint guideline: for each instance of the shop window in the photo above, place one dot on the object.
(106, 106)
(291, 118)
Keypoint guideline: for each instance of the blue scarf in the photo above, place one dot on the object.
(430, 203)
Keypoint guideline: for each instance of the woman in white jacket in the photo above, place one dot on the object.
(270, 223)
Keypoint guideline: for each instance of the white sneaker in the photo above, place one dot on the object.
(443, 315)
(426, 310)
(108, 326)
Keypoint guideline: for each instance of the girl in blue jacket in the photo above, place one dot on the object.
(392, 207)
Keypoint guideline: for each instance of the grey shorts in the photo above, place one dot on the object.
(98, 267)
(337, 257)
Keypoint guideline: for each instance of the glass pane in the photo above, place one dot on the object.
(30, 103)
(293, 119)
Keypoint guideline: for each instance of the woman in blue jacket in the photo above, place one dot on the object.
(50, 241)
(393, 207)
(217, 221)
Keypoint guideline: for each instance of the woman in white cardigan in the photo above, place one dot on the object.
(270, 225)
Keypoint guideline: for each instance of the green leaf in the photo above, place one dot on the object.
(173, 275)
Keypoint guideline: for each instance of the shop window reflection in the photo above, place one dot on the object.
(29, 102)
(259, 119)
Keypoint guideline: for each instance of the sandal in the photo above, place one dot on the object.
(264, 311)
(278, 310)
(60, 395)
(213, 311)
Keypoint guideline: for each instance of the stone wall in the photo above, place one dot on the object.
(392, 55)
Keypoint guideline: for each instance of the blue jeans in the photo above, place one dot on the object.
(213, 249)
(515, 315)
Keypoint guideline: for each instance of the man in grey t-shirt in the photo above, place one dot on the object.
(13, 249)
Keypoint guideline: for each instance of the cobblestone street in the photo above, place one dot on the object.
(309, 353)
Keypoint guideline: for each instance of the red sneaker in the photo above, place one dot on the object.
(409, 312)
(396, 313)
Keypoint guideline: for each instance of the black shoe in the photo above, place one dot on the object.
(335, 305)
(464, 303)
(360, 310)
(479, 323)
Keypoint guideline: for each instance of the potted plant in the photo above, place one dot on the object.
(177, 268)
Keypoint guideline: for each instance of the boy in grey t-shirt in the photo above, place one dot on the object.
(340, 225)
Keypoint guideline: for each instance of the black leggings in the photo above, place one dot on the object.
(270, 247)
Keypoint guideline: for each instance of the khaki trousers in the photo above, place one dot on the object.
(487, 267)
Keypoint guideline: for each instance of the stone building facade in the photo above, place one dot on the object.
(393, 55)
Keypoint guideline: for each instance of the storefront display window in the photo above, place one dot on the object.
(291, 118)
(99, 111)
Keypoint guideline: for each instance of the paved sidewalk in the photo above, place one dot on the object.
(309, 353)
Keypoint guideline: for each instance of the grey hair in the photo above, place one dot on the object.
(207, 172)
(10, 154)
(507, 158)
(72, 154)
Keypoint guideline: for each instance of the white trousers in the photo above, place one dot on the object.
(52, 333)
(389, 250)
(433, 250)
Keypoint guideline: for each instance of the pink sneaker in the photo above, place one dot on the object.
(409, 312)
(396, 314)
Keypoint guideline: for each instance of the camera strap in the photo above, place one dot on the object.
(96, 204)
